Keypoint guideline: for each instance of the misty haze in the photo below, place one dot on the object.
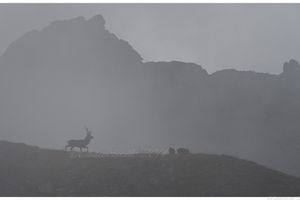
(85, 113)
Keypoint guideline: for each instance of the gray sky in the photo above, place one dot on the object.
(256, 37)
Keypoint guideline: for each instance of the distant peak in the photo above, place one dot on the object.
(291, 67)
(97, 20)
(292, 62)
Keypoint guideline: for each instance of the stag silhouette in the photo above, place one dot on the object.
(81, 144)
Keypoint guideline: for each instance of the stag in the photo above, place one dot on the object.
(81, 144)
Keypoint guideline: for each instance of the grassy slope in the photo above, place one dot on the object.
(30, 171)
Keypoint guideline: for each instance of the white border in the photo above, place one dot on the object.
(149, 1)
(149, 198)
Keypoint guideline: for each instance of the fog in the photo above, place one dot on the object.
(97, 71)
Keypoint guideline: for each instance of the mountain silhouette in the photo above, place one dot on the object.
(75, 72)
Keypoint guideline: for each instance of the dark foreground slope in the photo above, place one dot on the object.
(30, 171)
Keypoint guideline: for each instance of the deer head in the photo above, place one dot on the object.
(88, 133)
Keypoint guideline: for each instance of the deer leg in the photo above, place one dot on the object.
(87, 149)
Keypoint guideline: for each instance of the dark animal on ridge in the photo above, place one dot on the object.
(183, 151)
(171, 151)
(81, 144)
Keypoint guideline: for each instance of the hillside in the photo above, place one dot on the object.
(31, 171)
(75, 72)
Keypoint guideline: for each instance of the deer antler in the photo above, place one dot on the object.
(87, 130)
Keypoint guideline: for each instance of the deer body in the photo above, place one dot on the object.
(81, 144)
